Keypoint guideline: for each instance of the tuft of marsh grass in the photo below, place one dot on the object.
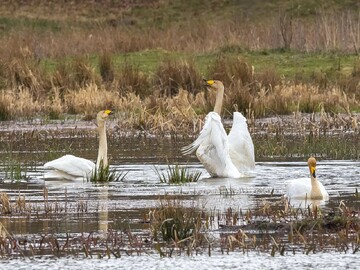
(106, 67)
(14, 171)
(131, 79)
(103, 174)
(229, 69)
(172, 75)
(173, 223)
(177, 175)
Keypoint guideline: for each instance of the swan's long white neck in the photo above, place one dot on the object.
(102, 154)
(315, 188)
(219, 99)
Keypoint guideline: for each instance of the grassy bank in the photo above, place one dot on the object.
(146, 59)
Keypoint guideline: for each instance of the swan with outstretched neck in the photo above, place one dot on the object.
(223, 155)
(307, 188)
(70, 167)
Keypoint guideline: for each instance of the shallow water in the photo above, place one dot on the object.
(90, 207)
(232, 261)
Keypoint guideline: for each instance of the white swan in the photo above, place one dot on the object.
(223, 155)
(307, 188)
(70, 167)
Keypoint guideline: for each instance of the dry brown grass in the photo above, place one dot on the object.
(182, 112)
(328, 31)
(169, 115)
(171, 76)
(172, 98)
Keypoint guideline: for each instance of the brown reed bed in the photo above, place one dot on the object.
(170, 100)
(273, 226)
(112, 244)
(276, 227)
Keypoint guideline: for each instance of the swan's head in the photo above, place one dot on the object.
(312, 166)
(214, 84)
(102, 116)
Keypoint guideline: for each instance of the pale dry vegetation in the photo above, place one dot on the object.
(48, 70)
(176, 102)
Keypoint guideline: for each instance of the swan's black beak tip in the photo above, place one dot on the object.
(109, 112)
(205, 82)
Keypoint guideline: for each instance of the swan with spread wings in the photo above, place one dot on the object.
(223, 155)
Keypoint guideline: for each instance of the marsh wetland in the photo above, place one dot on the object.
(291, 68)
(233, 220)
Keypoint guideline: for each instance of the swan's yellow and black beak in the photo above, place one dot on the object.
(312, 171)
(208, 82)
(312, 166)
(108, 112)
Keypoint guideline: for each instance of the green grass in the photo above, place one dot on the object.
(103, 174)
(14, 170)
(9, 23)
(177, 175)
(288, 64)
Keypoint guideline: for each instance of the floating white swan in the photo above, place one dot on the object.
(307, 188)
(223, 155)
(70, 167)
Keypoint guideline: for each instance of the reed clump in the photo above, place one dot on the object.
(130, 79)
(177, 174)
(179, 227)
(14, 170)
(103, 174)
(172, 75)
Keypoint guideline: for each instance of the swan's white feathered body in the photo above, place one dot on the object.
(69, 167)
(307, 188)
(74, 168)
(223, 155)
(301, 189)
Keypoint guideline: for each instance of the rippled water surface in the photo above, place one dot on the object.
(112, 205)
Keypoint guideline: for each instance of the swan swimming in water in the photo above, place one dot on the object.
(223, 155)
(307, 188)
(70, 167)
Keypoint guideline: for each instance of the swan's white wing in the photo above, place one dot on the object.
(241, 147)
(298, 188)
(69, 167)
(213, 149)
